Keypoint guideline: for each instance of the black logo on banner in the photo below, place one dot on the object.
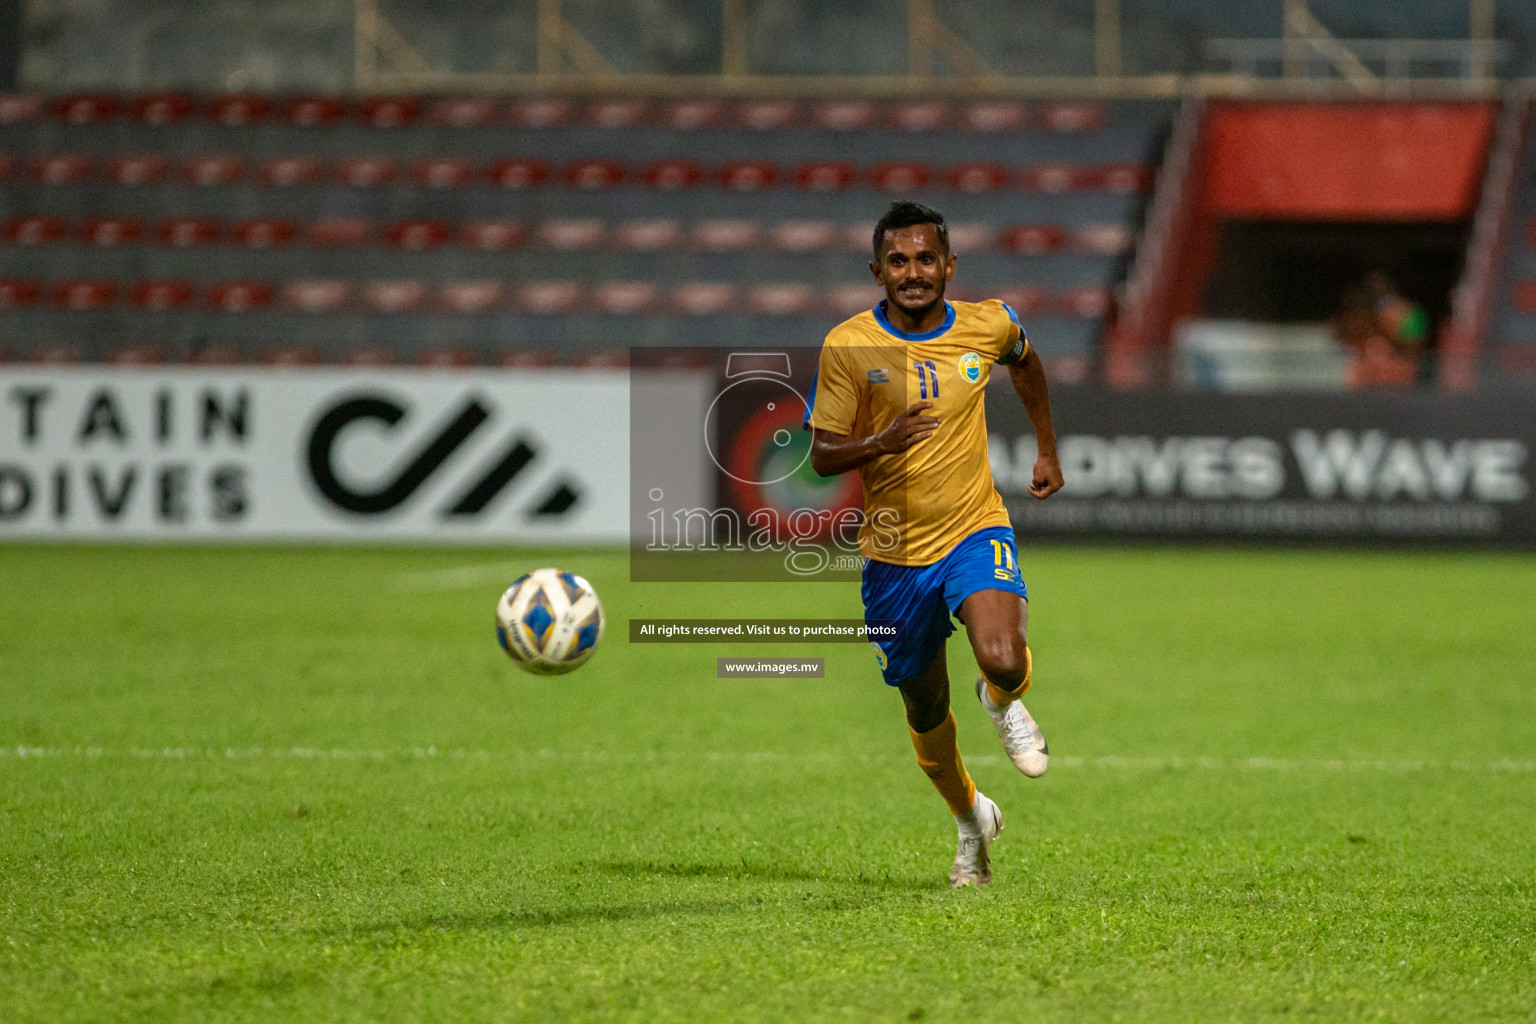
(470, 500)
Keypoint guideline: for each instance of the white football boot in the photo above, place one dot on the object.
(1021, 737)
(973, 854)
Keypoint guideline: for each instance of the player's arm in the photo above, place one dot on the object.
(833, 453)
(1028, 377)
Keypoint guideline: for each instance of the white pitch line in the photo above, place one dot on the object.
(1110, 762)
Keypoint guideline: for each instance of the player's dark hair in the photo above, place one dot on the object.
(905, 214)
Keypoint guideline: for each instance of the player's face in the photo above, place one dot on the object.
(913, 268)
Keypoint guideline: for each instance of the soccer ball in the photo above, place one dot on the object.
(549, 621)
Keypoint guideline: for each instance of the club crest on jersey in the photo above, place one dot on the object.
(879, 654)
(970, 367)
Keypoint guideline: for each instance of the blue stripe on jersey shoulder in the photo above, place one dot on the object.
(1012, 315)
(810, 401)
(949, 321)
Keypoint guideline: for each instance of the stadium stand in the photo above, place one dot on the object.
(450, 231)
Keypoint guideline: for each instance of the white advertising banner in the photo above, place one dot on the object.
(355, 455)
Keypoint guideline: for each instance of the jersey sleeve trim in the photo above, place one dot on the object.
(1020, 347)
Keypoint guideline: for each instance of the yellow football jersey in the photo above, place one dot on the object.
(920, 503)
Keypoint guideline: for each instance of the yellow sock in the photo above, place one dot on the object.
(1001, 697)
(939, 757)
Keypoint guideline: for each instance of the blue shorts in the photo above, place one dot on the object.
(923, 597)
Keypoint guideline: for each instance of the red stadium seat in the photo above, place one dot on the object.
(1103, 239)
(540, 112)
(610, 359)
(61, 169)
(239, 296)
(921, 116)
(787, 299)
(263, 232)
(107, 231)
(995, 116)
(624, 298)
(365, 171)
(618, 113)
(524, 358)
(1121, 177)
(1067, 369)
(464, 111)
(851, 299)
(215, 355)
(419, 234)
(316, 296)
(389, 111)
(518, 173)
(844, 115)
(54, 355)
(1032, 239)
(84, 293)
(673, 174)
(803, 235)
(704, 298)
(137, 170)
(687, 115)
(594, 174)
(38, 229)
(972, 237)
(134, 355)
(339, 232)
(725, 235)
(471, 297)
(291, 355)
(314, 111)
(439, 358)
(367, 356)
(287, 171)
(1073, 117)
(548, 297)
(1053, 177)
(1025, 299)
(443, 172)
(747, 175)
(236, 111)
(1090, 302)
(857, 237)
(7, 166)
(394, 296)
(18, 107)
(86, 108)
(648, 235)
(17, 291)
(824, 175)
(900, 176)
(767, 115)
(162, 108)
(572, 233)
(223, 169)
(975, 177)
(157, 296)
(1524, 297)
(494, 234)
(187, 231)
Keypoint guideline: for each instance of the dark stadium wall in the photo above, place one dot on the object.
(1357, 163)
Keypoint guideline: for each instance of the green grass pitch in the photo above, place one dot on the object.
(305, 784)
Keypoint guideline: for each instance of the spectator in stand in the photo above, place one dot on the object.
(1386, 332)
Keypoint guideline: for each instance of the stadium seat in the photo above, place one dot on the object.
(1090, 302)
(704, 298)
(594, 174)
(161, 295)
(1120, 178)
(608, 359)
(572, 233)
(291, 355)
(84, 293)
(767, 115)
(393, 296)
(824, 175)
(16, 292)
(314, 111)
(971, 237)
(316, 296)
(1032, 239)
(746, 175)
(61, 169)
(1023, 298)
(844, 115)
(920, 116)
(184, 232)
(617, 113)
(7, 166)
(438, 357)
(213, 170)
(803, 235)
(786, 299)
(547, 297)
(16, 108)
(53, 354)
(339, 232)
(1073, 117)
(647, 235)
(464, 111)
(990, 116)
(263, 232)
(1103, 239)
(418, 234)
(442, 172)
(1523, 296)
(900, 176)
(1517, 360)
(215, 355)
(163, 108)
(239, 296)
(389, 111)
(518, 173)
(1051, 177)
(107, 231)
(367, 356)
(976, 177)
(688, 115)
(287, 171)
(853, 298)
(540, 112)
(672, 174)
(493, 235)
(624, 298)
(365, 171)
(86, 108)
(137, 170)
(236, 111)
(725, 235)
(524, 358)
(471, 297)
(38, 229)
(857, 236)
(134, 355)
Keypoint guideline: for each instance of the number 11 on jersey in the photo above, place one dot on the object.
(927, 372)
